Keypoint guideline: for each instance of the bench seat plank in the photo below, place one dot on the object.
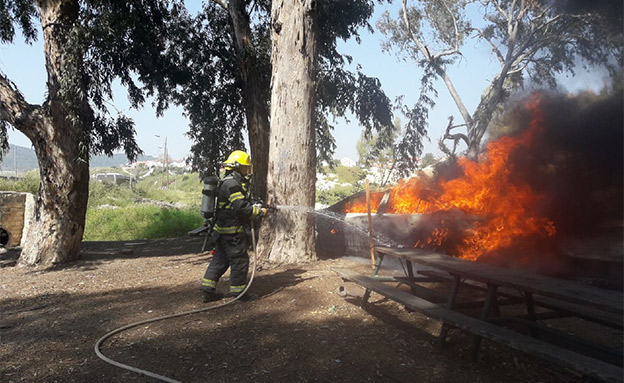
(583, 364)
(612, 320)
(606, 300)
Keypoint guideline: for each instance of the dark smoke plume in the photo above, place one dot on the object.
(611, 11)
(577, 164)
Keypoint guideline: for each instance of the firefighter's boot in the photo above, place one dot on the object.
(210, 296)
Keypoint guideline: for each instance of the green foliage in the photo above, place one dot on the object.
(214, 101)
(348, 180)
(20, 12)
(349, 174)
(535, 40)
(428, 160)
(336, 194)
(378, 149)
(28, 183)
(123, 219)
(104, 193)
(139, 222)
(104, 41)
(182, 188)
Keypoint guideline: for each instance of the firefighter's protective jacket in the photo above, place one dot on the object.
(234, 208)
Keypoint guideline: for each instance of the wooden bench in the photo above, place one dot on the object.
(588, 313)
(568, 291)
(585, 365)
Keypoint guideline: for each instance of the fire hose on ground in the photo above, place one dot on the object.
(132, 325)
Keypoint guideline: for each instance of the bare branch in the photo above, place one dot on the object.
(423, 48)
(14, 109)
(456, 136)
(456, 47)
(449, 52)
(524, 8)
(512, 8)
(495, 49)
(519, 69)
(500, 9)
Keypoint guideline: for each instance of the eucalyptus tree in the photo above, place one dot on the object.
(529, 40)
(229, 56)
(292, 157)
(87, 45)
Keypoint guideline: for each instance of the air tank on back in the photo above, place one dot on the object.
(209, 197)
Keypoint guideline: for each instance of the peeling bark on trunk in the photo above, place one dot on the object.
(288, 235)
(256, 111)
(55, 234)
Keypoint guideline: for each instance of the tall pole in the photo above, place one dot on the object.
(166, 162)
(371, 243)
(15, 159)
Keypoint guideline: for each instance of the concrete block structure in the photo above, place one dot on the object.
(16, 211)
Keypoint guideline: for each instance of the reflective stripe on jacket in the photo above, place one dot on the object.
(234, 208)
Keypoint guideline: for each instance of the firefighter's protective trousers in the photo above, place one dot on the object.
(230, 251)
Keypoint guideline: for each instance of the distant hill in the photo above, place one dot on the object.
(24, 159)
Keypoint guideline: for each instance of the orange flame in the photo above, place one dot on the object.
(359, 205)
(507, 208)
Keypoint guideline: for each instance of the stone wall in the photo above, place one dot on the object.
(16, 210)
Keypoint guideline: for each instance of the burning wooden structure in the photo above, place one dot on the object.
(548, 200)
(552, 208)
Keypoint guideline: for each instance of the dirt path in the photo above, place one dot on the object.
(299, 330)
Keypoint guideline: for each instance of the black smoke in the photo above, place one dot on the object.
(576, 164)
(577, 160)
(611, 11)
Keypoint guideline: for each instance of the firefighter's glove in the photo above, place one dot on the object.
(262, 211)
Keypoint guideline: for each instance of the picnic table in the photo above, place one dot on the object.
(556, 298)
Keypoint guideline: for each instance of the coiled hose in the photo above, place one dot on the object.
(132, 325)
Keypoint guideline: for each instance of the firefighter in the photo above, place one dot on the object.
(234, 211)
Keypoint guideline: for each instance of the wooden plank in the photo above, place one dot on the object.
(612, 320)
(606, 300)
(422, 292)
(563, 339)
(583, 364)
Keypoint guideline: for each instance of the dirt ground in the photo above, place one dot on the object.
(299, 329)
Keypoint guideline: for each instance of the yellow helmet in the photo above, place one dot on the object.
(238, 159)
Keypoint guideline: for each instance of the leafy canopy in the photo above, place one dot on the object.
(109, 39)
(530, 40)
(213, 98)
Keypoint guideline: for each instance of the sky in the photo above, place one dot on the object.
(24, 65)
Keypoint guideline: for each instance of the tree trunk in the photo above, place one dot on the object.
(288, 236)
(482, 117)
(55, 234)
(256, 111)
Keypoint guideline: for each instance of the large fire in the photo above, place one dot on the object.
(507, 209)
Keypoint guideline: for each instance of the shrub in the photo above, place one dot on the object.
(104, 193)
(336, 194)
(139, 222)
(28, 183)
